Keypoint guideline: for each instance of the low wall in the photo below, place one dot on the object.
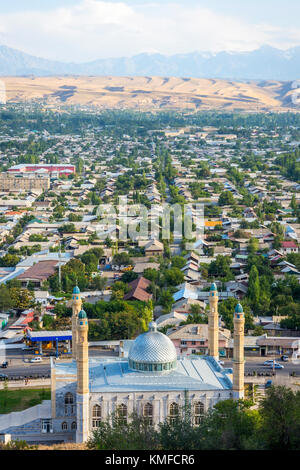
(19, 418)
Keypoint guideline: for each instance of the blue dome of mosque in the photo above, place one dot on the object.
(239, 309)
(153, 352)
(76, 290)
(213, 287)
(82, 315)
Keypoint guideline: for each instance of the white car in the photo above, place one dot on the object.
(36, 359)
(269, 363)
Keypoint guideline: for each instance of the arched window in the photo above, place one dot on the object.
(69, 404)
(96, 418)
(198, 413)
(97, 411)
(74, 426)
(122, 414)
(173, 412)
(64, 426)
(69, 399)
(148, 413)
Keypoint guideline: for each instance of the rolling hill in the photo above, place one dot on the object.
(150, 92)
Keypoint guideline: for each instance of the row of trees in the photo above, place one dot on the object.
(230, 425)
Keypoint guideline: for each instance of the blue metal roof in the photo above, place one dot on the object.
(46, 336)
(114, 375)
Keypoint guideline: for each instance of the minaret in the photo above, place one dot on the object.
(238, 353)
(213, 323)
(82, 397)
(76, 307)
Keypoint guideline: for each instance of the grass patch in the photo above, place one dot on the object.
(19, 400)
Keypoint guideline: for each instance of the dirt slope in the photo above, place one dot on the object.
(147, 93)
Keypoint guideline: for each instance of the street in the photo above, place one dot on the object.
(17, 366)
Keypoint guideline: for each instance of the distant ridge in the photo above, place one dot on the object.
(266, 63)
(153, 93)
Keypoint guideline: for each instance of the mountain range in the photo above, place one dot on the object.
(266, 63)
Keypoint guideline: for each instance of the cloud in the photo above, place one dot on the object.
(96, 29)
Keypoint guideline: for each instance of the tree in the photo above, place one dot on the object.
(174, 277)
(221, 268)
(226, 311)
(254, 289)
(91, 261)
(67, 228)
(166, 300)
(178, 262)
(253, 246)
(129, 276)
(294, 204)
(121, 259)
(22, 299)
(99, 283)
(135, 434)
(231, 425)
(151, 274)
(280, 412)
(5, 299)
(75, 218)
(226, 199)
(9, 260)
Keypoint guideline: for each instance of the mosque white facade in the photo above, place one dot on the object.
(152, 382)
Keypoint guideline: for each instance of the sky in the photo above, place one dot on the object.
(86, 30)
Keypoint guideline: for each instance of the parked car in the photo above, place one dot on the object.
(36, 359)
(268, 384)
(3, 377)
(4, 365)
(285, 358)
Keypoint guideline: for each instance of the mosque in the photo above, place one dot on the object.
(152, 382)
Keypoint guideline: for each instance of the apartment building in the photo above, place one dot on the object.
(11, 182)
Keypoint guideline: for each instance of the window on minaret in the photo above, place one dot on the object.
(173, 413)
(97, 414)
(198, 413)
(148, 413)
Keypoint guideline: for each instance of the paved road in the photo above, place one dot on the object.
(18, 367)
(257, 365)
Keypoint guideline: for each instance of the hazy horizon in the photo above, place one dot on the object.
(86, 30)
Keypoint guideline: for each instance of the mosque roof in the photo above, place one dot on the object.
(115, 375)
